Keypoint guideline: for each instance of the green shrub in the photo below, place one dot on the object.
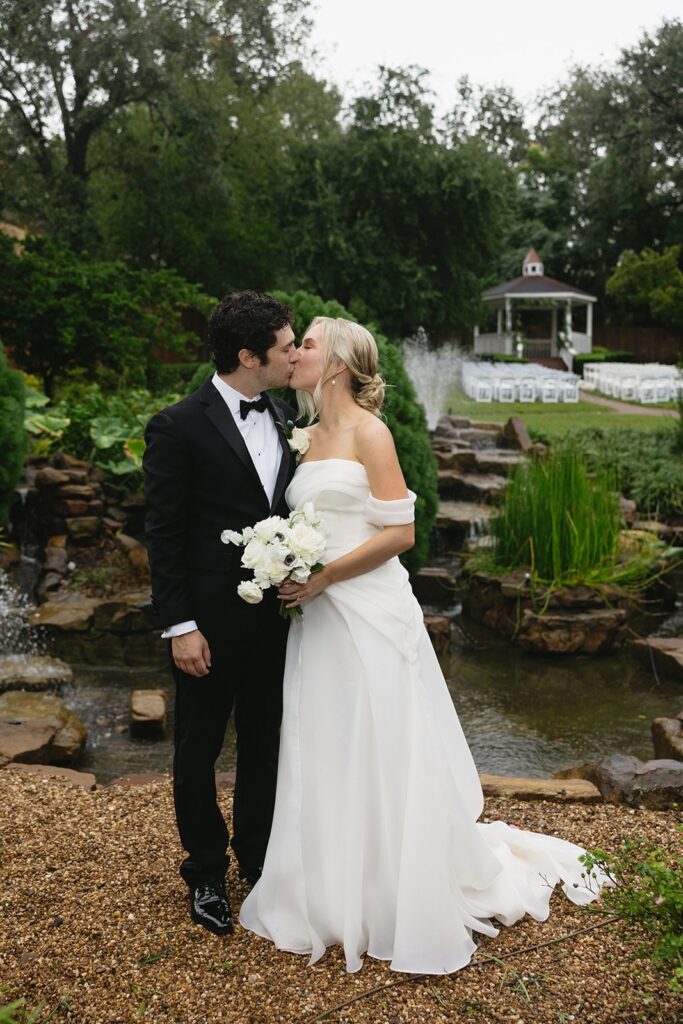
(404, 417)
(61, 310)
(107, 429)
(600, 355)
(12, 436)
(647, 465)
(649, 893)
(164, 377)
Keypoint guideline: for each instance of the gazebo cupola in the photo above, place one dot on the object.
(532, 266)
(543, 321)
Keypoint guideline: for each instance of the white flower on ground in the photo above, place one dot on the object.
(231, 537)
(250, 592)
(299, 441)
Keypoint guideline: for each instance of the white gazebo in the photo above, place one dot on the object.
(548, 299)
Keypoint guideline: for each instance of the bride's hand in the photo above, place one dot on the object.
(298, 594)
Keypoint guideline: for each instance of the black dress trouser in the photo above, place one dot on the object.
(246, 674)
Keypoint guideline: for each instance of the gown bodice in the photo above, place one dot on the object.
(339, 488)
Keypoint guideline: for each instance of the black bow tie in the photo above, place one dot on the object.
(258, 406)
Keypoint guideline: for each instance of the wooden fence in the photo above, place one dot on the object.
(647, 344)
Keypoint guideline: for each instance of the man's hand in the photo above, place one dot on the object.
(191, 653)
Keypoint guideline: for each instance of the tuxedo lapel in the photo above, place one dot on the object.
(222, 419)
(286, 459)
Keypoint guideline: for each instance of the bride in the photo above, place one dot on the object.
(375, 844)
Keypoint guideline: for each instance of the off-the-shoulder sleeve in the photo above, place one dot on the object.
(398, 512)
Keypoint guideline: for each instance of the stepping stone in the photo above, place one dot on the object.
(478, 487)
(148, 713)
(439, 629)
(666, 651)
(498, 460)
(84, 780)
(434, 585)
(561, 791)
(32, 672)
(455, 519)
(39, 728)
(667, 737)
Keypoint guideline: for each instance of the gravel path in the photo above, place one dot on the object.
(628, 407)
(93, 912)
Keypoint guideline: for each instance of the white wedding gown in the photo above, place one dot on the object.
(375, 844)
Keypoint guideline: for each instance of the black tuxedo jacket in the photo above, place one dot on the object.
(200, 480)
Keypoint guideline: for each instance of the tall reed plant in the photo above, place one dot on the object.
(559, 521)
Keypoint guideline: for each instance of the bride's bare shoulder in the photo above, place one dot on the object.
(372, 434)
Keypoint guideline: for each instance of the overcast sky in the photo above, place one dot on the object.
(524, 45)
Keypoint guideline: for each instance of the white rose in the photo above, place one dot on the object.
(267, 528)
(254, 553)
(231, 537)
(300, 575)
(306, 542)
(299, 441)
(250, 592)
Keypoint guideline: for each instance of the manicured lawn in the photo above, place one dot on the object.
(554, 421)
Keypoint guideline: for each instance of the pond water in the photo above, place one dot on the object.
(522, 714)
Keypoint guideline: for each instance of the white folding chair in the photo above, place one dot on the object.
(549, 390)
(647, 391)
(628, 388)
(506, 389)
(527, 389)
(569, 391)
(483, 390)
(663, 389)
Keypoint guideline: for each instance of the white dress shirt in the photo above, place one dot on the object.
(261, 438)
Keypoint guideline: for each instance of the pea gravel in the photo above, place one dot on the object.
(94, 924)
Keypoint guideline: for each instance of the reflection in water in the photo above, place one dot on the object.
(522, 714)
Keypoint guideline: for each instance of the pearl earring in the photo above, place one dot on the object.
(334, 381)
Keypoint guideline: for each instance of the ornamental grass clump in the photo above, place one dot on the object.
(563, 524)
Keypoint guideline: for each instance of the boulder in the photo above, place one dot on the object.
(55, 560)
(127, 543)
(498, 460)
(515, 435)
(65, 461)
(667, 653)
(74, 613)
(139, 559)
(83, 491)
(147, 713)
(125, 613)
(622, 778)
(585, 632)
(83, 528)
(456, 519)
(667, 737)
(569, 791)
(57, 541)
(461, 459)
(629, 510)
(434, 585)
(49, 477)
(477, 487)
(32, 672)
(83, 780)
(39, 728)
(439, 629)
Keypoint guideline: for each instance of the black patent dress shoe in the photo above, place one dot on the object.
(210, 907)
(250, 875)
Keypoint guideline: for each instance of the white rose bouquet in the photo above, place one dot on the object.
(277, 549)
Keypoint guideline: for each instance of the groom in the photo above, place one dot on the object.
(220, 460)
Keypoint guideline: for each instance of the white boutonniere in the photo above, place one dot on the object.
(298, 439)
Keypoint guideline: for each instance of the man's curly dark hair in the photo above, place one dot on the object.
(245, 320)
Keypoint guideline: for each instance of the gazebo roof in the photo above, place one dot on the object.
(536, 286)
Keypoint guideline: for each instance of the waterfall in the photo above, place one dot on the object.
(433, 371)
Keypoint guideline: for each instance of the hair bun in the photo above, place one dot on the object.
(369, 392)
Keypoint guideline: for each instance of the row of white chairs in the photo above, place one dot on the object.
(515, 382)
(648, 383)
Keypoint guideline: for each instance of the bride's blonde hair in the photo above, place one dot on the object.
(350, 343)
